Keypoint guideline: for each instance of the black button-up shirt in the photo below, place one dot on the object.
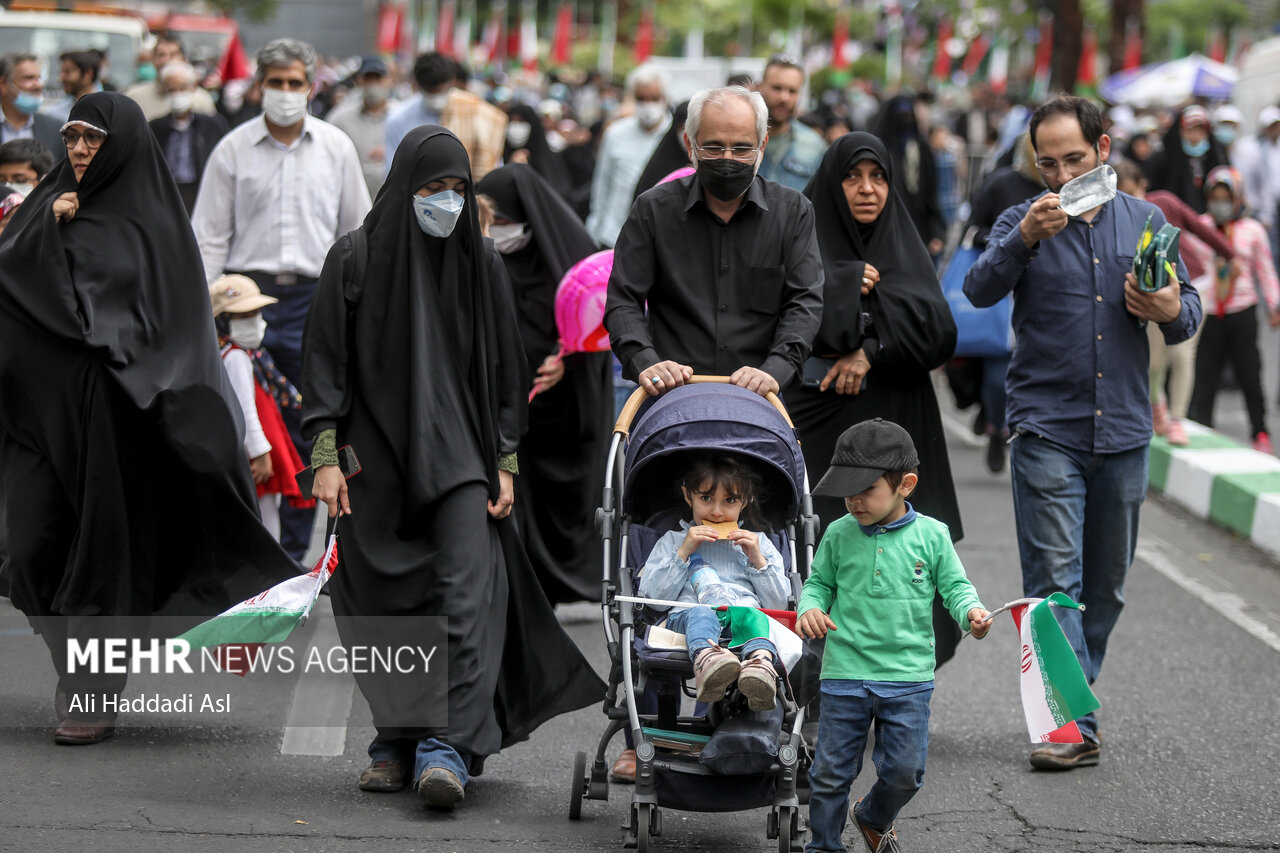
(720, 295)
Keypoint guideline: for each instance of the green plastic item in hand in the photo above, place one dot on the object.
(1155, 260)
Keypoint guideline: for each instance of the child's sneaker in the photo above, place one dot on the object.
(758, 681)
(1262, 443)
(877, 842)
(714, 670)
(1177, 434)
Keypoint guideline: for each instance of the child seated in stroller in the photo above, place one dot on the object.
(712, 562)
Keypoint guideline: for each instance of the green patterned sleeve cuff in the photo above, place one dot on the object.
(509, 462)
(325, 449)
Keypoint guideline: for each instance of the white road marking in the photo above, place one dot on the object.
(1228, 604)
(319, 700)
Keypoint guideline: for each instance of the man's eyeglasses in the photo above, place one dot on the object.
(93, 139)
(1073, 162)
(737, 152)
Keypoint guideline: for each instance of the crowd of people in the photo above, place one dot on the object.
(372, 256)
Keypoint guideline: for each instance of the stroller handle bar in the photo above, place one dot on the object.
(638, 396)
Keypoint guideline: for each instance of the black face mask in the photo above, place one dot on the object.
(724, 178)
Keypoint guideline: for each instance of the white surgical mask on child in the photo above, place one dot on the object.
(247, 331)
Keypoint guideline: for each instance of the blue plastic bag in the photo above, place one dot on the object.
(980, 332)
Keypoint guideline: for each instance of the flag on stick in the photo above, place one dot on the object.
(269, 617)
(942, 61)
(1054, 689)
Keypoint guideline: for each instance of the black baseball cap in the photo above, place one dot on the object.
(372, 65)
(863, 453)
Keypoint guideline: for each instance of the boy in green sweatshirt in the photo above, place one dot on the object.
(870, 593)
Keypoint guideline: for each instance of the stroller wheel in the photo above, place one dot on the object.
(644, 814)
(790, 832)
(578, 785)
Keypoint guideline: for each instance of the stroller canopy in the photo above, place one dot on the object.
(707, 418)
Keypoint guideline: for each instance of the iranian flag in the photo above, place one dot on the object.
(1054, 689)
(270, 616)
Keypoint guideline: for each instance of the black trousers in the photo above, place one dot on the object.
(1233, 340)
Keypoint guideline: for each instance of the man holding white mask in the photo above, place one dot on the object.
(625, 150)
(276, 193)
(444, 100)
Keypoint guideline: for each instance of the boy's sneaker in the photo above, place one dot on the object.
(758, 681)
(714, 670)
(877, 842)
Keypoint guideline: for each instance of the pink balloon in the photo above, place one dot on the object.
(580, 301)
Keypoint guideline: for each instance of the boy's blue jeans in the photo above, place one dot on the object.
(902, 742)
(421, 755)
(1077, 517)
(701, 627)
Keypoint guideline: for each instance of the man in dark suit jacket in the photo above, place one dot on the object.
(186, 137)
(21, 96)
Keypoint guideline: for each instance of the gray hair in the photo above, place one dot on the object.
(646, 75)
(285, 52)
(10, 61)
(176, 69)
(719, 97)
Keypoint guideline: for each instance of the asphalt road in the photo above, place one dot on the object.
(1189, 709)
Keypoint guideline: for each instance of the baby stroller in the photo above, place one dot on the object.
(647, 681)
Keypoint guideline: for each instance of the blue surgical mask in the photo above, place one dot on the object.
(27, 102)
(438, 214)
(1199, 149)
(1225, 135)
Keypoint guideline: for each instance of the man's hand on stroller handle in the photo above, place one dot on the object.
(663, 376)
(814, 624)
(754, 379)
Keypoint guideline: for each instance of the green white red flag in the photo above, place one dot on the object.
(269, 617)
(1055, 691)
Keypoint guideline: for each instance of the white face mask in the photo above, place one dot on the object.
(180, 102)
(510, 238)
(23, 190)
(650, 113)
(247, 331)
(284, 109)
(518, 133)
(437, 102)
(438, 213)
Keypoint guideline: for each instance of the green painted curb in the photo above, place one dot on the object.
(1161, 454)
(1234, 497)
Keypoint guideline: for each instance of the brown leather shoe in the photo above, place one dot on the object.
(385, 777)
(1065, 756)
(624, 769)
(74, 733)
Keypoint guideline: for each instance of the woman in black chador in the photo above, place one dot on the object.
(412, 358)
(129, 492)
(885, 326)
(563, 454)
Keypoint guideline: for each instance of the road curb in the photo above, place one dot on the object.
(1223, 481)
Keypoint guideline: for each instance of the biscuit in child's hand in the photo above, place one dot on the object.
(723, 528)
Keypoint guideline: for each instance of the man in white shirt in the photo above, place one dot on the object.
(276, 193)
(625, 150)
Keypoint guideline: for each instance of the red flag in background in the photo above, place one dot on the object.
(977, 53)
(234, 65)
(390, 28)
(1044, 58)
(493, 35)
(644, 35)
(942, 62)
(1216, 47)
(1087, 70)
(1132, 45)
(560, 51)
(444, 29)
(838, 38)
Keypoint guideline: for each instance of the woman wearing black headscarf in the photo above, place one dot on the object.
(915, 175)
(564, 451)
(1190, 152)
(526, 134)
(670, 154)
(129, 493)
(885, 326)
(412, 358)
